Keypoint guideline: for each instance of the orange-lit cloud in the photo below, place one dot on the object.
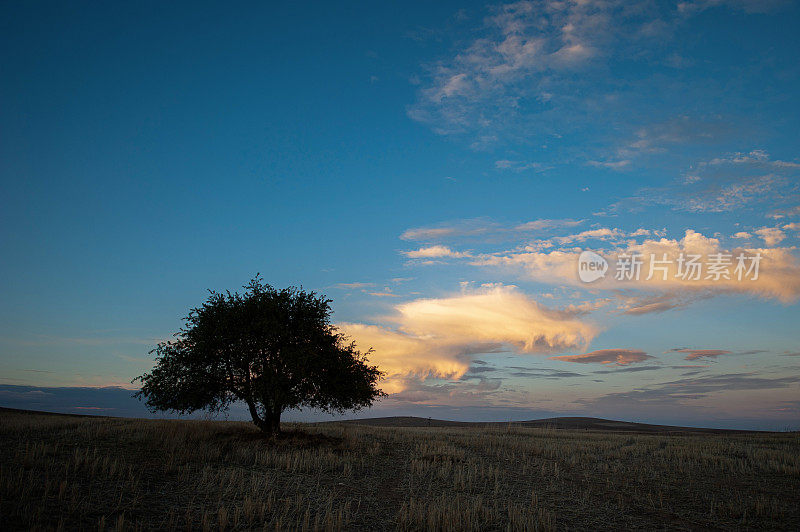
(620, 357)
(402, 355)
(778, 278)
(434, 337)
(772, 235)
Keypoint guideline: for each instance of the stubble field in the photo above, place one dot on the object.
(64, 472)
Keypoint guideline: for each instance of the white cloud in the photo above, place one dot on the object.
(527, 50)
(478, 227)
(459, 228)
(518, 166)
(355, 286)
(539, 225)
(435, 252)
(613, 165)
(757, 157)
(602, 233)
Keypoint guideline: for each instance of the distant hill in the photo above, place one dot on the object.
(569, 423)
(572, 423)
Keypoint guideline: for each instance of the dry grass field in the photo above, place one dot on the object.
(63, 472)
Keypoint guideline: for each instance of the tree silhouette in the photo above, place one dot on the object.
(272, 349)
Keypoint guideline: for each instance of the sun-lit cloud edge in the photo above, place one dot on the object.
(435, 337)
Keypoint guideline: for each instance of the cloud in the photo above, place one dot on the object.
(695, 354)
(482, 227)
(460, 228)
(495, 313)
(480, 369)
(778, 275)
(387, 292)
(658, 302)
(632, 369)
(620, 357)
(682, 129)
(522, 69)
(518, 166)
(674, 392)
(612, 165)
(772, 236)
(432, 252)
(354, 286)
(787, 212)
(435, 337)
(721, 184)
(748, 6)
(542, 373)
(602, 233)
(724, 198)
(476, 391)
(700, 195)
(705, 399)
(403, 355)
(754, 157)
(540, 225)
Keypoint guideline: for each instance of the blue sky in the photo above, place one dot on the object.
(435, 170)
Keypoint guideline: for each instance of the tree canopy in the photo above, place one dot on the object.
(271, 349)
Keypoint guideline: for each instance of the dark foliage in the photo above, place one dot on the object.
(272, 349)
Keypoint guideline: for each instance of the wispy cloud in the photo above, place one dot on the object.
(519, 166)
(483, 227)
(620, 357)
(435, 252)
(459, 228)
(673, 393)
(612, 165)
(722, 184)
(355, 285)
(525, 51)
(695, 354)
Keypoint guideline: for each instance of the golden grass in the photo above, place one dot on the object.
(61, 472)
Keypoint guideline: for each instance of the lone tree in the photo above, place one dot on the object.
(272, 349)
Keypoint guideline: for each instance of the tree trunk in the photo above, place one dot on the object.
(271, 424)
(275, 422)
(257, 421)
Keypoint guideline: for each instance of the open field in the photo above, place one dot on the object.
(111, 473)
